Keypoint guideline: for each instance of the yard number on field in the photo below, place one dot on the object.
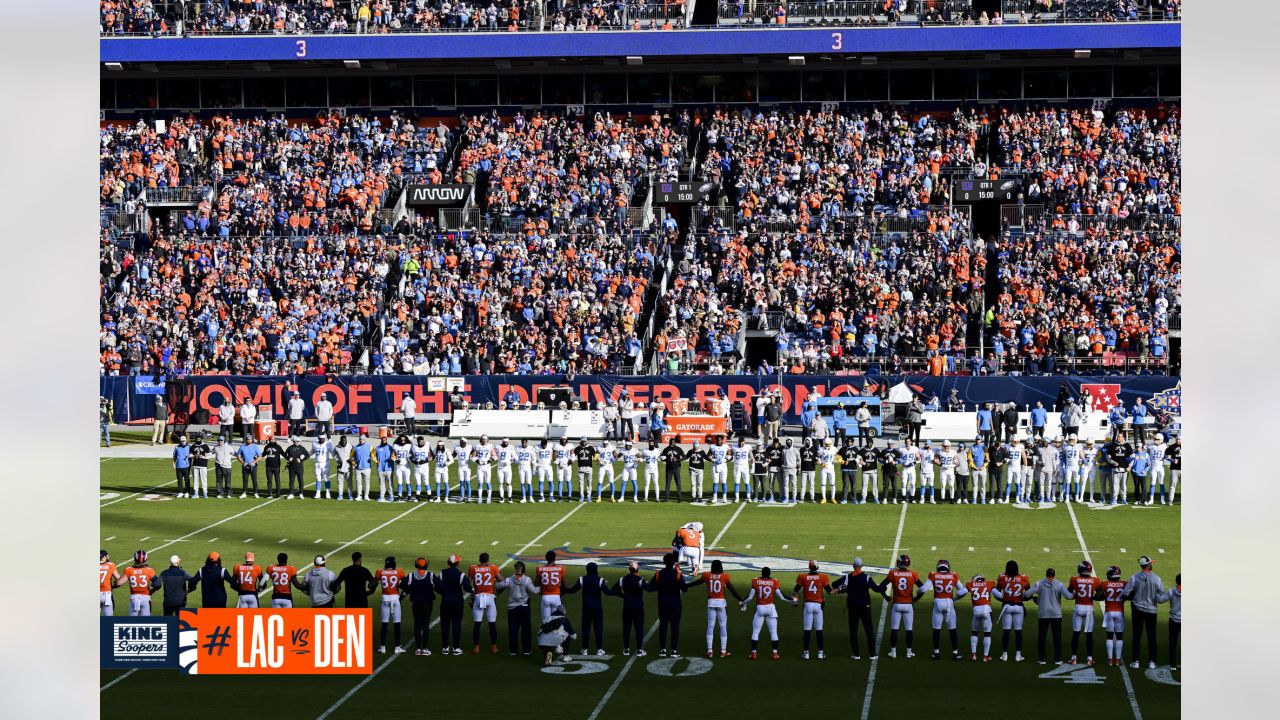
(1074, 675)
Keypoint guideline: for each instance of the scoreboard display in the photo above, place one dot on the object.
(976, 190)
(681, 192)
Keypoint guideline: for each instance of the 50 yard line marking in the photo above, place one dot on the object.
(1124, 670)
(884, 612)
(654, 628)
(392, 658)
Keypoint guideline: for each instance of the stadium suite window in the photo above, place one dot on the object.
(648, 88)
(562, 89)
(780, 86)
(1136, 80)
(605, 90)
(391, 91)
(1044, 83)
(264, 92)
(106, 94)
(827, 85)
(737, 87)
(1089, 83)
(520, 90)
(349, 91)
(478, 90)
(434, 91)
(911, 85)
(866, 85)
(136, 94)
(955, 83)
(693, 87)
(179, 94)
(1171, 81)
(221, 93)
(999, 83)
(309, 92)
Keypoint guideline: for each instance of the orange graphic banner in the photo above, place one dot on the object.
(277, 641)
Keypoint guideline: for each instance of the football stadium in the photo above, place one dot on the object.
(729, 353)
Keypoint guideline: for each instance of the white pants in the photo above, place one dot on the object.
(692, 555)
(1157, 477)
(1012, 616)
(606, 471)
(549, 604)
(765, 615)
(485, 608)
(384, 484)
(789, 485)
(869, 479)
(979, 487)
(504, 481)
(719, 479)
(695, 482)
(1174, 477)
(903, 614)
(106, 604)
(201, 485)
(281, 602)
(322, 475)
(139, 605)
(716, 615)
(944, 614)
(741, 476)
(442, 477)
(402, 477)
(927, 477)
(1082, 619)
(651, 476)
(812, 616)
(828, 478)
(247, 600)
(484, 477)
(910, 476)
(584, 482)
(422, 477)
(464, 474)
(526, 478)
(807, 485)
(1087, 477)
(981, 619)
(1113, 621)
(629, 474)
(1013, 482)
(948, 481)
(545, 475)
(391, 608)
(361, 488)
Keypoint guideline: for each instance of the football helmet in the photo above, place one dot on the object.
(1114, 572)
(944, 566)
(904, 561)
(1085, 568)
(140, 557)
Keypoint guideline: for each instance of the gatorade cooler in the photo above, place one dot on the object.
(264, 431)
(384, 431)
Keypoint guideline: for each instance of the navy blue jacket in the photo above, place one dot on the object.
(593, 589)
(858, 588)
(213, 593)
(669, 583)
(630, 588)
(449, 587)
(422, 590)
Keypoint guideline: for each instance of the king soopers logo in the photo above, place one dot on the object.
(134, 641)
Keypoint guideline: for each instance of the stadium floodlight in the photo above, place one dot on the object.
(114, 66)
(635, 60)
(262, 67)
(795, 59)
(869, 60)
(1083, 54)
(351, 64)
(502, 64)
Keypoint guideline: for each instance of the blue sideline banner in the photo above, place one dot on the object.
(366, 399)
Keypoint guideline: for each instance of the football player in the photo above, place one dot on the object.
(651, 455)
(322, 453)
(1112, 592)
(946, 460)
(743, 456)
(464, 453)
(480, 581)
(906, 585)
(827, 464)
(1011, 588)
(443, 459)
(403, 450)
(142, 581)
(420, 457)
(524, 466)
(717, 582)
(688, 546)
(719, 455)
(980, 590)
(1158, 450)
(868, 457)
(283, 578)
(1083, 587)
(1013, 472)
(814, 586)
(563, 453)
(1070, 455)
(543, 470)
(1088, 461)
(928, 459)
(946, 588)
(108, 580)
(764, 590)
(389, 579)
(630, 461)
(606, 472)
(248, 580)
(485, 455)
(550, 579)
(506, 455)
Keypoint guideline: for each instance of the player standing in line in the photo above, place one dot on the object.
(1174, 598)
(389, 579)
(549, 579)
(524, 466)
(717, 582)
(1175, 468)
(248, 456)
(980, 594)
(808, 469)
(946, 589)
(1083, 587)
(688, 546)
(790, 471)
(342, 454)
(651, 455)
(928, 471)
(1047, 469)
(248, 580)
(362, 458)
(910, 461)
(321, 453)
(1140, 468)
(962, 475)
(421, 458)
(607, 454)
(485, 454)
(759, 473)
(867, 458)
(906, 585)
(719, 454)
(563, 452)
(1112, 592)
(108, 580)
(584, 455)
(850, 458)
(200, 453)
(593, 589)
(764, 590)
(742, 458)
(946, 460)
(1073, 484)
(283, 578)
(1157, 450)
(672, 458)
(480, 581)
(142, 581)
(181, 460)
(827, 462)
(1013, 484)
(1088, 461)
(814, 586)
(697, 459)
(1011, 590)
(889, 460)
(386, 465)
(506, 455)
(443, 458)
(403, 450)
(630, 461)
(978, 459)
(463, 454)
(296, 457)
(1030, 462)
(542, 456)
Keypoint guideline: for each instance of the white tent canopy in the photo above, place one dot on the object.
(900, 393)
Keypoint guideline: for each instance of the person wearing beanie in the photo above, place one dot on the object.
(317, 583)
(213, 580)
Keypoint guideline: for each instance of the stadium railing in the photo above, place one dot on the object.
(757, 13)
(1115, 364)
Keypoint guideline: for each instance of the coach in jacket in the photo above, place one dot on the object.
(359, 581)
(1143, 591)
(211, 579)
(317, 584)
(421, 586)
(1049, 594)
(631, 588)
(449, 588)
(519, 587)
(857, 587)
(176, 582)
(669, 583)
(593, 589)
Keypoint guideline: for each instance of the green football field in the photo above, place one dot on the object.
(135, 513)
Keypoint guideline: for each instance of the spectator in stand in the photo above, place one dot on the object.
(161, 419)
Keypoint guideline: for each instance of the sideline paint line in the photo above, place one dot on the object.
(884, 613)
(1124, 669)
(649, 635)
(376, 671)
(126, 497)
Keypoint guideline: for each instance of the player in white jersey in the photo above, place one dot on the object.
(420, 456)
(909, 460)
(1013, 472)
(719, 471)
(542, 468)
(464, 453)
(402, 451)
(485, 454)
(946, 460)
(607, 456)
(321, 453)
(630, 464)
(651, 456)
(743, 456)
(1157, 449)
(1069, 457)
(563, 453)
(506, 455)
(443, 459)
(524, 466)
(928, 459)
(827, 470)
(1088, 460)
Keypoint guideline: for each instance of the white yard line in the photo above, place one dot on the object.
(126, 497)
(884, 613)
(376, 671)
(1124, 669)
(649, 635)
(113, 682)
